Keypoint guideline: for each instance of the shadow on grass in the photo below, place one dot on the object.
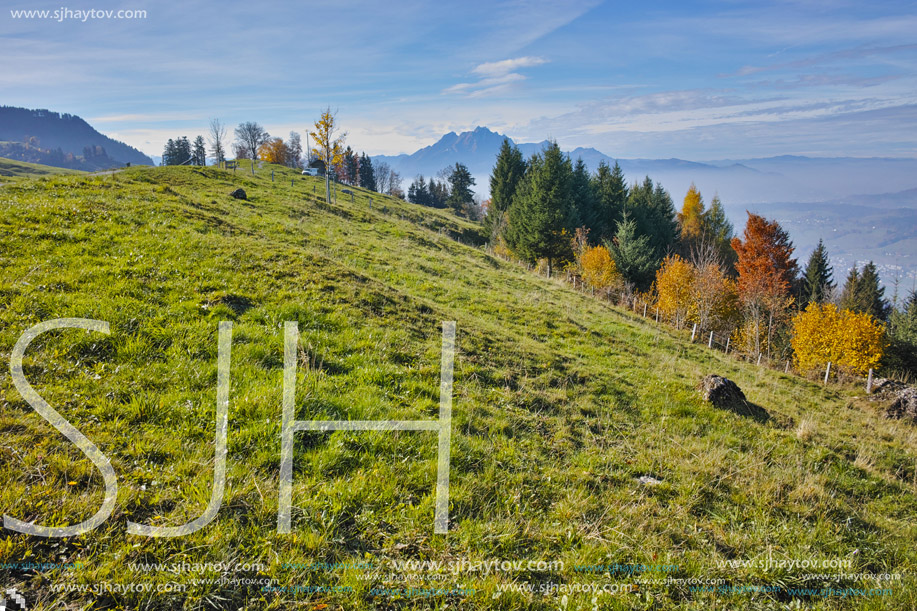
(750, 410)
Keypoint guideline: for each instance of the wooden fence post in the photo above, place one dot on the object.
(644, 309)
(827, 372)
(693, 332)
(710, 342)
(869, 382)
(759, 358)
(787, 368)
(727, 343)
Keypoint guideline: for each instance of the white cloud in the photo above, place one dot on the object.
(496, 77)
(500, 68)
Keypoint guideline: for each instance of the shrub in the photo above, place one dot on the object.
(852, 341)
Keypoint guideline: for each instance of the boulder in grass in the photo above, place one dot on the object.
(885, 388)
(238, 194)
(904, 405)
(723, 393)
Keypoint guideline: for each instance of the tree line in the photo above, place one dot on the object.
(451, 190)
(253, 142)
(690, 267)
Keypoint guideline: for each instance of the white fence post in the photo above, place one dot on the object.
(693, 332)
(727, 343)
(787, 368)
(644, 309)
(710, 343)
(827, 372)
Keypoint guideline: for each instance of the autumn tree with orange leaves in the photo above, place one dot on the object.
(767, 271)
(274, 151)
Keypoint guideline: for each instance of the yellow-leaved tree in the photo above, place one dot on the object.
(851, 341)
(598, 268)
(329, 145)
(691, 218)
(715, 298)
(674, 287)
(274, 151)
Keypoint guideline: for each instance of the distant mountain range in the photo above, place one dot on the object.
(864, 209)
(737, 181)
(61, 140)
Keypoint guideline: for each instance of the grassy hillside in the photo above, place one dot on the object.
(11, 167)
(561, 405)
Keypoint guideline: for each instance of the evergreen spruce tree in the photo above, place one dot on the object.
(351, 167)
(719, 230)
(903, 323)
(610, 198)
(850, 299)
(817, 281)
(199, 153)
(460, 194)
(418, 193)
(439, 193)
(632, 253)
(508, 171)
(902, 350)
(540, 214)
(367, 175)
(168, 153)
(585, 210)
(862, 292)
(184, 150)
(654, 215)
(872, 293)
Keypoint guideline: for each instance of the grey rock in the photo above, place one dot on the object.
(904, 406)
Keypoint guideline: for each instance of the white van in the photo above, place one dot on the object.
(311, 171)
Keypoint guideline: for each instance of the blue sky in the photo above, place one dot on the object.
(696, 80)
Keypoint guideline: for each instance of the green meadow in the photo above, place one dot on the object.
(12, 167)
(561, 404)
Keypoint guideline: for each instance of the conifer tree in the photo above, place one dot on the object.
(183, 146)
(439, 193)
(610, 192)
(720, 232)
(168, 152)
(199, 152)
(585, 210)
(418, 193)
(654, 214)
(508, 171)
(817, 279)
(460, 182)
(632, 253)
(691, 220)
(367, 175)
(863, 293)
(540, 214)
